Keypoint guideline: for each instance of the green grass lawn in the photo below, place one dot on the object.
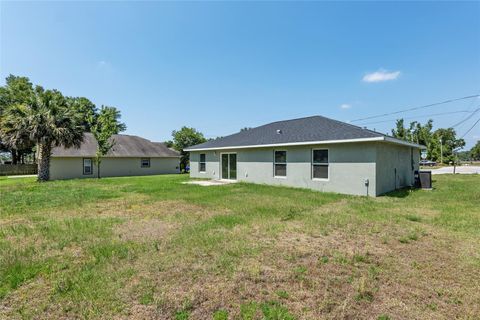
(152, 247)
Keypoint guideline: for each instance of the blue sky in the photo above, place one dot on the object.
(221, 66)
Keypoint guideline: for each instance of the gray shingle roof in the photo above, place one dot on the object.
(309, 129)
(125, 146)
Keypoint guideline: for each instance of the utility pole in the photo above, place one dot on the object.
(441, 152)
(454, 161)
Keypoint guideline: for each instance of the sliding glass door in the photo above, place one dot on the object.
(229, 166)
(224, 166)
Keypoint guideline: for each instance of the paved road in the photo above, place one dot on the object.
(461, 170)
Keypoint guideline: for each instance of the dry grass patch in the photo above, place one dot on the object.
(153, 248)
(340, 275)
(130, 205)
(165, 207)
(142, 230)
(142, 206)
(140, 312)
(37, 293)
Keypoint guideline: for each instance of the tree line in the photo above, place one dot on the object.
(473, 154)
(442, 144)
(34, 120)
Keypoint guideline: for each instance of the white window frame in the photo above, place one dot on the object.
(91, 166)
(285, 163)
(320, 164)
(141, 163)
(200, 163)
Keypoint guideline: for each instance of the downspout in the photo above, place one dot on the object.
(395, 179)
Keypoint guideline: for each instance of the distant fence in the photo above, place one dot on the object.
(17, 169)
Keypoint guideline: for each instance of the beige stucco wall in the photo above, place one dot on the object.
(349, 164)
(72, 167)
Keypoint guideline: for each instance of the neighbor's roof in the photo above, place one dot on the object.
(125, 146)
(302, 131)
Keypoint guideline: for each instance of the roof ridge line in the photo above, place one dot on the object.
(287, 120)
(352, 125)
(319, 116)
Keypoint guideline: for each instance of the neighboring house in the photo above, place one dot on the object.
(313, 152)
(130, 156)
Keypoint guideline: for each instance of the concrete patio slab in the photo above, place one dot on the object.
(209, 183)
(22, 176)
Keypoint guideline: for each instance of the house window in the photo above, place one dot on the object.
(320, 164)
(87, 166)
(280, 164)
(145, 163)
(202, 164)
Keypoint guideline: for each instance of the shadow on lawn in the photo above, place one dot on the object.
(402, 193)
(407, 191)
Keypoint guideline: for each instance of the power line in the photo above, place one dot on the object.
(420, 116)
(466, 119)
(470, 128)
(416, 108)
(472, 105)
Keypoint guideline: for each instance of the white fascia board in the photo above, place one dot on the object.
(288, 144)
(114, 157)
(305, 143)
(404, 143)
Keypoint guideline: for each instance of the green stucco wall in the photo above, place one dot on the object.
(350, 165)
(395, 166)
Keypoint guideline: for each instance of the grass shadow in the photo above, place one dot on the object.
(402, 193)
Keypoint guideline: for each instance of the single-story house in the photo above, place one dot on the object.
(130, 156)
(313, 152)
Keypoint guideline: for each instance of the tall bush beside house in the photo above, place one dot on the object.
(184, 138)
(45, 120)
(103, 126)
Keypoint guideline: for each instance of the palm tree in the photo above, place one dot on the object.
(13, 140)
(47, 121)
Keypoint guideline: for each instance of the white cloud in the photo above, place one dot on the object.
(101, 63)
(345, 106)
(381, 75)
